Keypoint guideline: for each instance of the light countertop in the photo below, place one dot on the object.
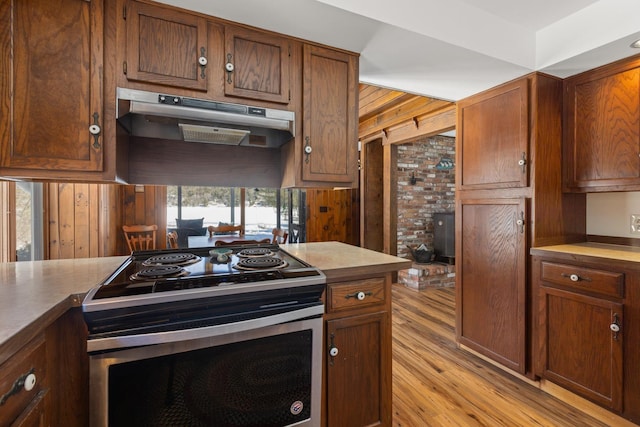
(599, 250)
(32, 292)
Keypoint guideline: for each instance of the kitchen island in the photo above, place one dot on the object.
(42, 329)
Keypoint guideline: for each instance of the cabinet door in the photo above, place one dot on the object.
(581, 352)
(493, 135)
(491, 244)
(329, 116)
(257, 65)
(602, 132)
(358, 376)
(166, 46)
(51, 69)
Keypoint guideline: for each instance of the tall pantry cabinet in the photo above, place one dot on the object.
(508, 199)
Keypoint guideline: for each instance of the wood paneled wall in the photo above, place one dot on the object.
(333, 215)
(85, 220)
(143, 204)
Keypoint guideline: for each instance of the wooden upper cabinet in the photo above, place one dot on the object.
(257, 65)
(602, 128)
(330, 116)
(493, 133)
(51, 72)
(166, 46)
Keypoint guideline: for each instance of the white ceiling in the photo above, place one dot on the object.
(449, 49)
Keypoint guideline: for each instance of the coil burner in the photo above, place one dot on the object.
(256, 252)
(179, 258)
(260, 263)
(159, 272)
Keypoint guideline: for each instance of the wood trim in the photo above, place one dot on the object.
(423, 126)
(7, 221)
(612, 240)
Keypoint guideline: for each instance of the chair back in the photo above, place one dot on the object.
(140, 237)
(242, 242)
(172, 240)
(225, 229)
(279, 236)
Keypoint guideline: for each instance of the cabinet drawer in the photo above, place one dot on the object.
(31, 359)
(582, 279)
(359, 293)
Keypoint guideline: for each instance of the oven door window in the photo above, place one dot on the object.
(261, 382)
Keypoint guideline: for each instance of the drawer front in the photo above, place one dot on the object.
(582, 279)
(14, 397)
(359, 293)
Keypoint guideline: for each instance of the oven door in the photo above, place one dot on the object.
(265, 376)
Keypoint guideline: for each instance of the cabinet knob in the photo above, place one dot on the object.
(26, 382)
(307, 149)
(229, 67)
(202, 60)
(333, 351)
(94, 130)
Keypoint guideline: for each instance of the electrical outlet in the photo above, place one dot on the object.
(635, 223)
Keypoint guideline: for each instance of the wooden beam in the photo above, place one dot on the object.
(415, 107)
(426, 125)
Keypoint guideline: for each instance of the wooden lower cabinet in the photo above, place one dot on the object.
(358, 353)
(56, 357)
(587, 328)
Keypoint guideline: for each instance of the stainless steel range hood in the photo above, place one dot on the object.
(166, 116)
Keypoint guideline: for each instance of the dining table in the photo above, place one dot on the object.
(206, 241)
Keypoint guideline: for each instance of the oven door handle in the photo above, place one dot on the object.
(127, 341)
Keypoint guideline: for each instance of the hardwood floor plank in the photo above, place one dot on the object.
(437, 384)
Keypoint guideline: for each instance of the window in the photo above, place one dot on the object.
(21, 225)
(259, 209)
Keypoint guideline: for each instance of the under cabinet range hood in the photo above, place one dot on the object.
(165, 116)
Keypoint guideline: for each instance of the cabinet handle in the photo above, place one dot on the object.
(307, 149)
(615, 326)
(229, 67)
(520, 222)
(95, 130)
(333, 350)
(523, 162)
(575, 278)
(360, 296)
(203, 62)
(26, 382)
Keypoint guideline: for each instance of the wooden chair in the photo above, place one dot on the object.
(242, 242)
(172, 240)
(140, 237)
(279, 236)
(225, 229)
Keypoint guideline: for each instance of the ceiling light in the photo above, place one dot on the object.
(636, 44)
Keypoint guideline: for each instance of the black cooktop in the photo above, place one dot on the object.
(150, 272)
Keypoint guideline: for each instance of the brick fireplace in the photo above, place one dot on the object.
(426, 185)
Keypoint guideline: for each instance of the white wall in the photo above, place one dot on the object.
(609, 214)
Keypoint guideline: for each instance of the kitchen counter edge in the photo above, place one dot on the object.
(621, 253)
(33, 294)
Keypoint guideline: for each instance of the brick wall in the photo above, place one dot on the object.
(433, 192)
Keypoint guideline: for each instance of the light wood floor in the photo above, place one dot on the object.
(437, 384)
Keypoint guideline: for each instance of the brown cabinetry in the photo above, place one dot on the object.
(24, 385)
(494, 137)
(358, 359)
(492, 320)
(46, 381)
(327, 151)
(257, 65)
(583, 332)
(166, 47)
(508, 199)
(602, 136)
(51, 68)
